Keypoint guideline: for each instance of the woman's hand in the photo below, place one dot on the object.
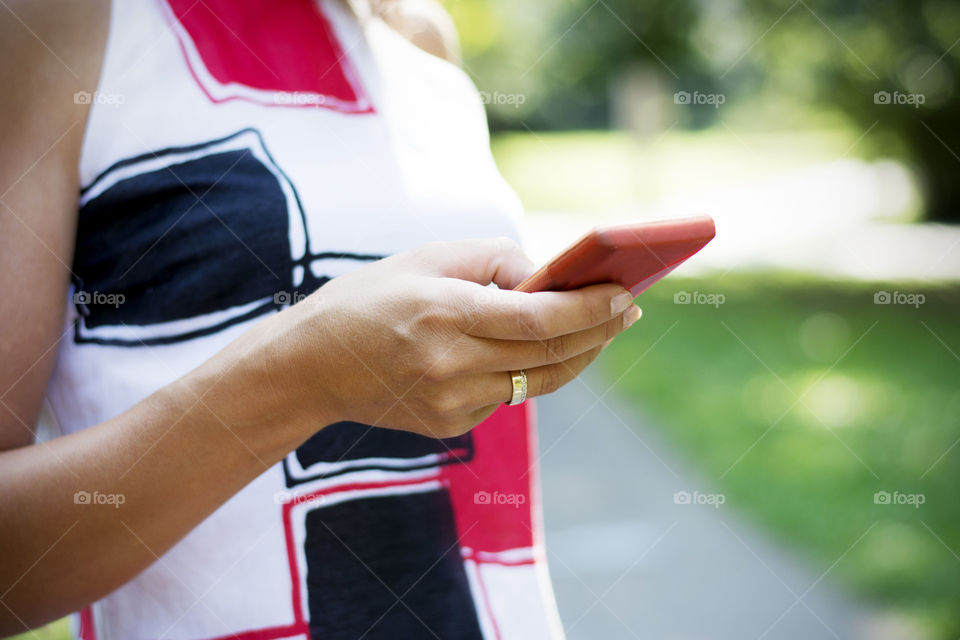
(418, 342)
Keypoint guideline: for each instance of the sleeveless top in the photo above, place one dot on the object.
(238, 155)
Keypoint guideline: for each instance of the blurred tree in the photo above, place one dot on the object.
(604, 39)
(562, 56)
(890, 67)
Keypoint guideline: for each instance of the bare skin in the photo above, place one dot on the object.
(432, 344)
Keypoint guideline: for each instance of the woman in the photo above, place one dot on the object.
(277, 334)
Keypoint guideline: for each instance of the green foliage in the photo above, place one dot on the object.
(603, 172)
(891, 68)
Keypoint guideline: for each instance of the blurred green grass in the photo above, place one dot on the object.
(613, 171)
(878, 410)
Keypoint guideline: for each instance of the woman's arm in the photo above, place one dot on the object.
(49, 50)
(172, 458)
(404, 343)
(411, 342)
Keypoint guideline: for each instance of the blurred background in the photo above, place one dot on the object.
(772, 452)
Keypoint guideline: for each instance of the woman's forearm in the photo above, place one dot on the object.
(85, 513)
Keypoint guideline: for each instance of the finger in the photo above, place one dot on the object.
(482, 390)
(485, 260)
(510, 355)
(514, 315)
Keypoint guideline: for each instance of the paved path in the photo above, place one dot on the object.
(627, 562)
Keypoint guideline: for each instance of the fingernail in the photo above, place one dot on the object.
(619, 303)
(632, 315)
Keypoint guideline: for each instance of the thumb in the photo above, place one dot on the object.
(486, 260)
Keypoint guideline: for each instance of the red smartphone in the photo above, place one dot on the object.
(634, 255)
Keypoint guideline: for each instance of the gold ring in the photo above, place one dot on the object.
(518, 380)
